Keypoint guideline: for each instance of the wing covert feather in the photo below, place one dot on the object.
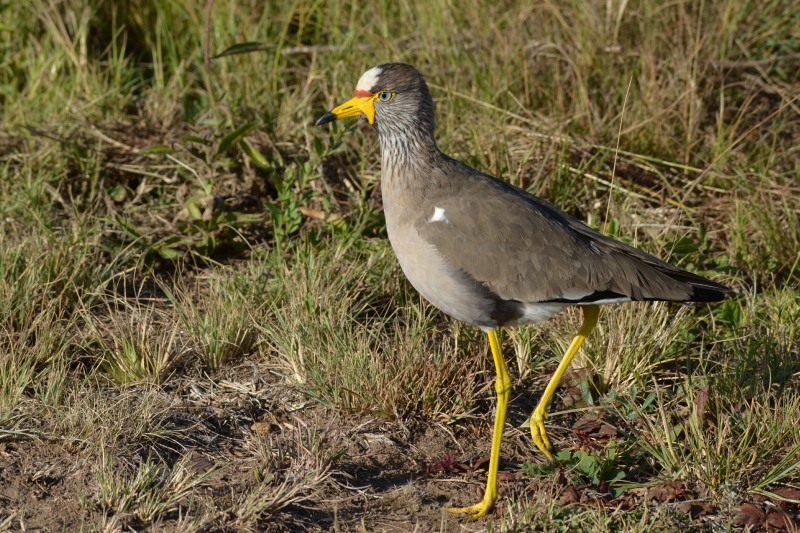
(532, 252)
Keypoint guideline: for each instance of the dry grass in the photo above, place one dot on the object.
(202, 327)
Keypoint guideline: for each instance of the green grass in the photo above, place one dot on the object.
(203, 327)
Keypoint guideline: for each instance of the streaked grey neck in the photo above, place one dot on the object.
(408, 145)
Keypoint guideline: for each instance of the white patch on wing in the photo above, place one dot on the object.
(575, 294)
(539, 312)
(369, 79)
(438, 215)
(620, 300)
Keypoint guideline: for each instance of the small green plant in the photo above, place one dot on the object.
(148, 490)
(222, 324)
(134, 347)
(595, 467)
(590, 466)
(292, 193)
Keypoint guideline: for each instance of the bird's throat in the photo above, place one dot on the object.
(405, 155)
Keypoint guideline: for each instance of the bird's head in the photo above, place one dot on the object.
(389, 96)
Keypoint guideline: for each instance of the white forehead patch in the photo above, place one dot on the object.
(369, 79)
(438, 215)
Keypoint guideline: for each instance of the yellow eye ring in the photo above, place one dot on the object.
(385, 96)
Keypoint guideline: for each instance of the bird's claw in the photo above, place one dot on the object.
(478, 510)
(539, 434)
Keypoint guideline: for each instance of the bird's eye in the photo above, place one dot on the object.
(385, 96)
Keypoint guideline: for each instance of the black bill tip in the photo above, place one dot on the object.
(324, 119)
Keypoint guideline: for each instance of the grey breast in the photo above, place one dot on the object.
(412, 207)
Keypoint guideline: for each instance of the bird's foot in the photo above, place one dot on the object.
(539, 434)
(477, 510)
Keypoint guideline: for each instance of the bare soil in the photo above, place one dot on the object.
(388, 475)
(377, 475)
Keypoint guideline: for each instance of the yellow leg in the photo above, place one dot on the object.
(503, 387)
(538, 432)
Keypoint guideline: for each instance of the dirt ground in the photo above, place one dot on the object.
(378, 475)
(361, 473)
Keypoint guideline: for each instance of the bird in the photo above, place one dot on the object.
(491, 254)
